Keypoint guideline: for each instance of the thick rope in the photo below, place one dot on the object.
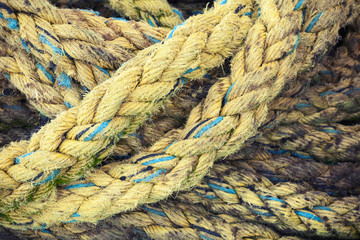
(199, 46)
(156, 12)
(67, 55)
(153, 191)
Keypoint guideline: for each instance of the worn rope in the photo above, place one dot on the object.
(69, 59)
(116, 110)
(139, 188)
(158, 13)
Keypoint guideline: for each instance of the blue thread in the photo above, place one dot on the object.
(64, 80)
(71, 221)
(221, 188)
(12, 23)
(46, 231)
(295, 154)
(206, 238)
(331, 131)
(172, 31)
(97, 130)
(79, 185)
(298, 5)
(50, 177)
(103, 70)
(178, 13)
(267, 214)
(295, 45)
(324, 72)
(276, 151)
(57, 50)
(68, 105)
(327, 93)
(7, 76)
(148, 178)
(227, 93)
(351, 91)
(17, 159)
(259, 12)
(120, 19)
(75, 215)
(47, 74)
(154, 40)
(250, 13)
(312, 23)
(13, 106)
(90, 11)
(182, 80)
(271, 198)
(169, 145)
(207, 76)
(223, 2)
(303, 105)
(208, 126)
(196, 12)
(323, 208)
(156, 160)
(157, 212)
(190, 70)
(308, 215)
(205, 230)
(151, 23)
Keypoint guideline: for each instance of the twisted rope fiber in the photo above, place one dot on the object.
(119, 109)
(87, 56)
(155, 12)
(141, 186)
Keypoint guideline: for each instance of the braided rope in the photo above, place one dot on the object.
(67, 55)
(126, 201)
(197, 51)
(155, 12)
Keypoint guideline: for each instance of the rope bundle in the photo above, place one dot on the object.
(236, 106)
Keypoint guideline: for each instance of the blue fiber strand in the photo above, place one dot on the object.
(221, 188)
(154, 40)
(148, 178)
(313, 22)
(64, 80)
(156, 160)
(46, 231)
(323, 208)
(68, 105)
(80, 185)
(209, 126)
(97, 130)
(276, 151)
(50, 177)
(250, 13)
(178, 13)
(57, 50)
(17, 160)
(47, 74)
(13, 106)
(120, 19)
(151, 23)
(12, 23)
(295, 154)
(157, 212)
(103, 70)
(351, 91)
(227, 93)
(331, 131)
(7, 76)
(172, 31)
(190, 70)
(169, 145)
(267, 214)
(303, 105)
(206, 238)
(327, 93)
(223, 2)
(298, 5)
(295, 45)
(272, 198)
(259, 12)
(75, 215)
(90, 11)
(308, 215)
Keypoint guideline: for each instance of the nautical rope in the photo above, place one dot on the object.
(131, 189)
(120, 110)
(158, 13)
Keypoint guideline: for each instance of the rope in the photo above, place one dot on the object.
(70, 59)
(110, 116)
(156, 12)
(144, 187)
